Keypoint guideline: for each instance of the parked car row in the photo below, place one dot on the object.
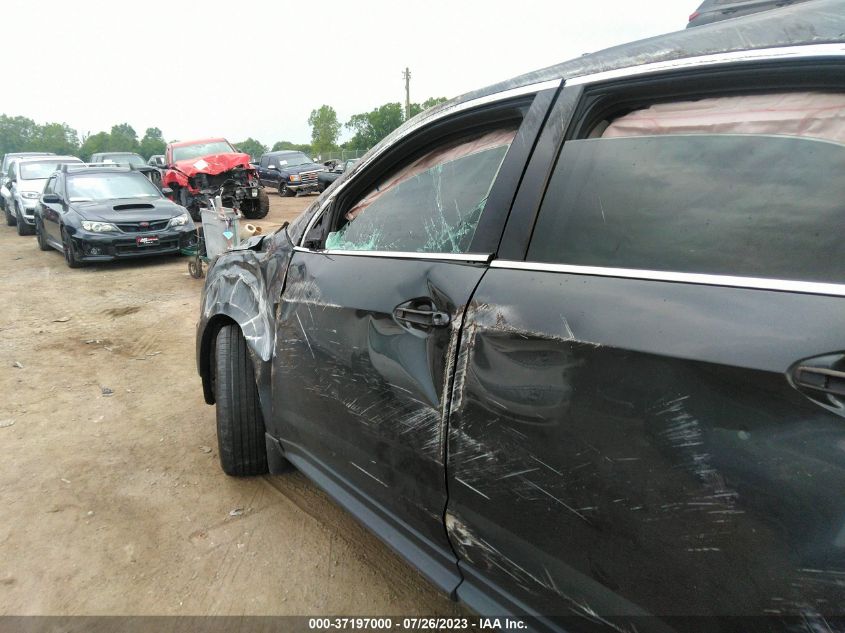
(93, 212)
(574, 344)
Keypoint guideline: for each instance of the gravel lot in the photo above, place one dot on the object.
(115, 504)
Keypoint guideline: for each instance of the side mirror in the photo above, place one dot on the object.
(167, 191)
(271, 167)
(51, 198)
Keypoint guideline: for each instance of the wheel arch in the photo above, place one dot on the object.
(236, 296)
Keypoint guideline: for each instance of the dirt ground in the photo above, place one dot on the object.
(116, 504)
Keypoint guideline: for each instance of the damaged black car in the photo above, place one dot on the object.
(99, 214)
(574, 344)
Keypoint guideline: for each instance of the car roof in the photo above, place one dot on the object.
(88, 169)
(48, 157)
(278, 152)
(116, 154)
(814, 22)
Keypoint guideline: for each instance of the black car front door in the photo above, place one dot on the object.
(367, 332)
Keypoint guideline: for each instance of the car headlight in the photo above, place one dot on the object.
(295, 178)
(31, 195)
(98, 227)
(179, 220)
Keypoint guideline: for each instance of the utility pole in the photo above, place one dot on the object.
(407, 76)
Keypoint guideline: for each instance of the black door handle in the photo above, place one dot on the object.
(422, 313)
(821, 378)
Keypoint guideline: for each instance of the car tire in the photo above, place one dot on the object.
(285, 192)
(39, 235)
(23, 227)
(10, 219)
(71, 259)
(260, 209)
(240, 424)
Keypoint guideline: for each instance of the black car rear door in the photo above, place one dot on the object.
(648, 406)
(371, 312)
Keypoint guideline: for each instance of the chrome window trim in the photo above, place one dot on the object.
(458, 107)
(761, 54)
(755, 283)
(452, 257)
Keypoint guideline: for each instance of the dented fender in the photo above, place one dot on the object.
(242, 287)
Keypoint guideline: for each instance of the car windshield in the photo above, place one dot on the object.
(8, 158)
(39, 170)
(186, 152)
(124, 159)
(109, 186)
(290, 160)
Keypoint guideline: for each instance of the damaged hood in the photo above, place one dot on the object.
(128, 210)
(213, 164)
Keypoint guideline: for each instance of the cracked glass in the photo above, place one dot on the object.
(433, 204)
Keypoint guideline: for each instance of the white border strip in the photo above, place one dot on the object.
(760, 54)
(757, 283)
(452, 257)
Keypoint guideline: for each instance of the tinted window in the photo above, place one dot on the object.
(760, 206)
(432, 205)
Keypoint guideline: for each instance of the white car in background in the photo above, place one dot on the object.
(4, 180)
(26, 178)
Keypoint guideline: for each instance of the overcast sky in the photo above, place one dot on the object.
(257, 68)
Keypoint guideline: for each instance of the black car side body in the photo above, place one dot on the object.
(594, 448)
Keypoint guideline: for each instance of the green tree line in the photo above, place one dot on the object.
(368, 128)
(22, 134)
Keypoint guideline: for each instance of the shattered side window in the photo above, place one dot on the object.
(432, 205)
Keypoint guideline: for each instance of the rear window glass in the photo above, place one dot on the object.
(741, 186)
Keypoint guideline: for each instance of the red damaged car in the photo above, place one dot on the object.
(199, 170)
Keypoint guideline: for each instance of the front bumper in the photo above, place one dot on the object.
(301, 186)
(27, 207)
(106, 247)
